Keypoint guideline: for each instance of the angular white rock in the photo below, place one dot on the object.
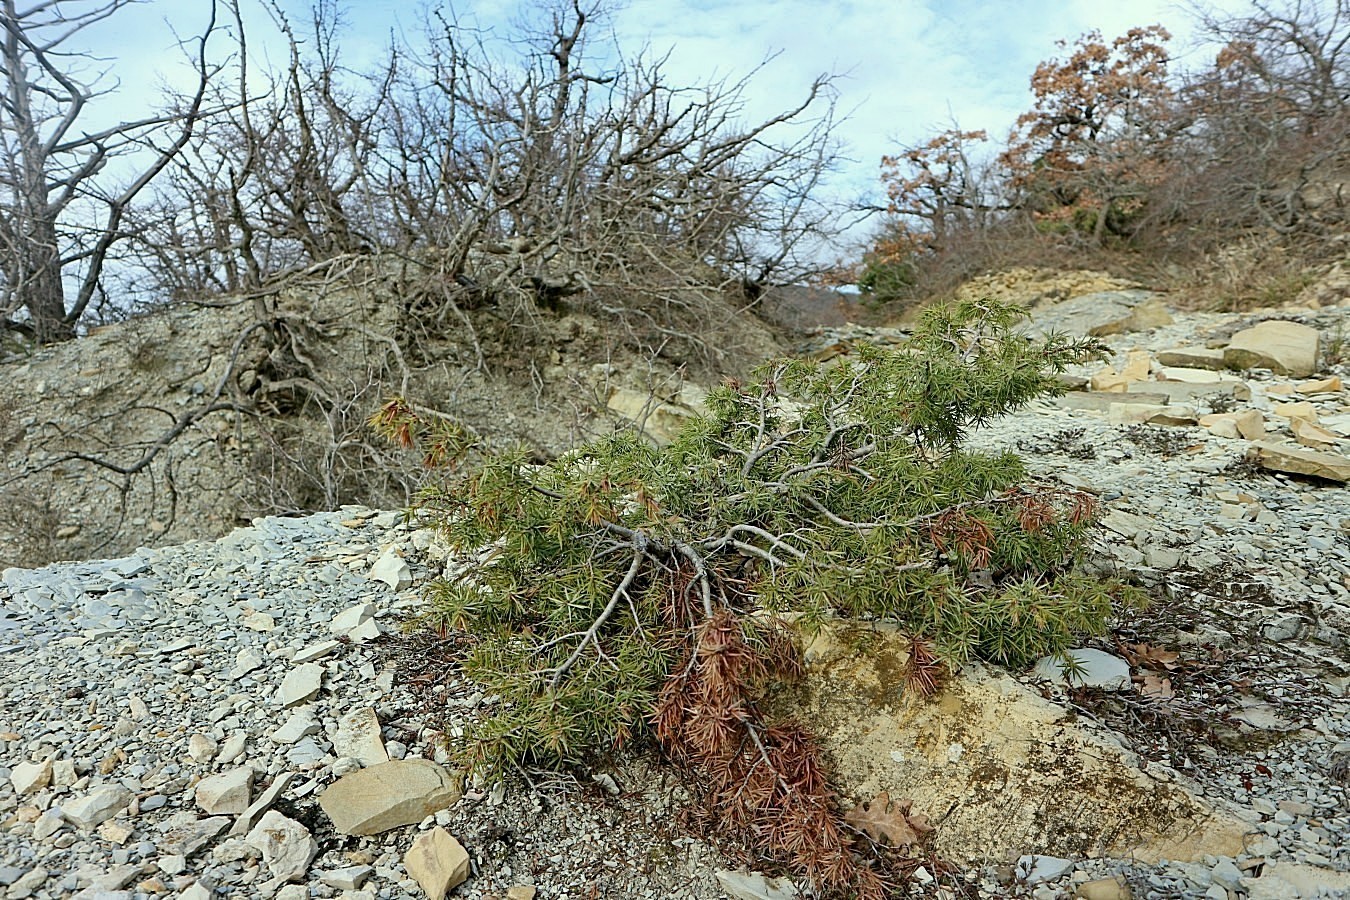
(225, 794)
(191, 837)
(351, 617)
(202, 748)
(233, 748)
(366, 631)
(315, 651)
(250, 816)
(301, 724)
(247, 660)
(63, 773)
(286, 845)
(392, 570)
(301, 684)
(29, 777)
(259, 622)
(358, 736)
(348, 878)
(97, 806)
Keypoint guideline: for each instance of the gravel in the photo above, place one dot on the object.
(136, 678)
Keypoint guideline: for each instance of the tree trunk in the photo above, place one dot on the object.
(42, 292)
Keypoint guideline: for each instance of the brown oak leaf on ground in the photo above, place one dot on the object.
(1152, 656)
(1157, 686)
(886, 820)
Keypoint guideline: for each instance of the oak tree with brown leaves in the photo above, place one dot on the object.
(1097, 136)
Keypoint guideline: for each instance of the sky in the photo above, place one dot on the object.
(905, 69)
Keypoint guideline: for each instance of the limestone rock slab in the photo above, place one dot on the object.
(1286, 348)
(1101, 401)
(1149, 413)
(1295, 461)
(391, 570)
(744, 885)
(437, 862)
(387, 795)
(244, 824)
(347, 878)
(28, 777)
(225, 794)
(97, 806)
(1249, 423)
(301, 684)
(358, 736)
(191, 837)
(286, 845)
(1010, 772)
(351, 617)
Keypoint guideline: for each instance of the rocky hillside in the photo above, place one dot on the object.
(241, 718)
(187, 422)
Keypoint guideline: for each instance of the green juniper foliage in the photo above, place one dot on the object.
(813, 490)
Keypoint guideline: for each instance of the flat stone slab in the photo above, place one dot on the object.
(437, 862)
(1318, 464)
(1185, 392)
(745, 885)
(287, 846)
(192, 837)
(301, 684)
(225, 794)
(385, 796)
(391, 570)
(1149, 413)
(1102, 313)
(358, 737)
(1086, 668)
(97, 806)
(1191, 357)
(1101, 401)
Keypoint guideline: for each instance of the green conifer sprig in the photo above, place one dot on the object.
(624, 590)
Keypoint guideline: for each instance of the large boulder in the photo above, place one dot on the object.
(1005, 771)
(1287, 348)
(1102, 313)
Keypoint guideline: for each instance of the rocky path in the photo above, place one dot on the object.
(241, 719)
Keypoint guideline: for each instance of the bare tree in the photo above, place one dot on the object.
(561, 175)
(60, 220)
(518, 173)
(1269, 121)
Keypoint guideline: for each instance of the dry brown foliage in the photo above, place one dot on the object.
(762, 780)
